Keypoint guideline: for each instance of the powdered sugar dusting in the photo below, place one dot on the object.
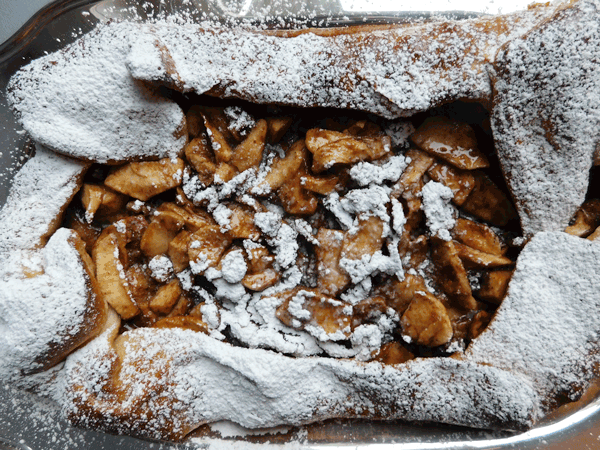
(547, 326)
(392, 73)
(230, 429)
(83, 102)
(438, 210)
(266, 389)
(46, 302)
(55, 316)
(366, 173)
(234, 266)
(160, 267)
(40, 192)
(546, 115)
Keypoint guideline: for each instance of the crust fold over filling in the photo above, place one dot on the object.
(48, 296)
(546, 115)
(165, 382)
(392, 71)
(82, 102)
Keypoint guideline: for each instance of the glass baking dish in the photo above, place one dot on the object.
(26, 421)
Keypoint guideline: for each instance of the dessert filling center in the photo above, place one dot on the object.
(310, 232)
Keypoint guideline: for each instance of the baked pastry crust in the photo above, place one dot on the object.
(87, 105)
(545, 117)
(392, 71)
(163, 383)
(48, 296)
(509, 377)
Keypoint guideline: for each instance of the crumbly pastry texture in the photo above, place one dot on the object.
(163, 383)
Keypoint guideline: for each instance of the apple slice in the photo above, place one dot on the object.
(111, 276)
(144, 180)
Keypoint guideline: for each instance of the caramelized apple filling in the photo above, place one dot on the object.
(310, 233)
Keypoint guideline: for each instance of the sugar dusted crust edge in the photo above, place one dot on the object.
(509, 378)
(387, 70)
(82, 102)
(266, 389)
(546, 115)
(48, 296)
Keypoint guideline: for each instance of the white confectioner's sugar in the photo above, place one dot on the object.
(304, 229)
(369, 265)
(438, 210)
(161, 268)
(222, 215)
(285, 246)
(310, 388)
(399, 131)
(56, 314)
(137, 205)
(547, 325)
(366, 173)
(57, 310)
(398, 217)
(27, 217)
(359, 292)
(547, 127)
(296, 305)
(358, 204)
(230, 429)
(241, 121)
(370, 200)
(82, 101)
(268, 222)
(333, 204)
(392, 73)
(234, 266)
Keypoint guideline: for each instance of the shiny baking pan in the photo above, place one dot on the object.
(28, 422)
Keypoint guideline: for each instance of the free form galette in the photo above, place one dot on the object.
(165, 381)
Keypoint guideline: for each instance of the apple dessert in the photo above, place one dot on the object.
(280, 227)
(334, 236)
